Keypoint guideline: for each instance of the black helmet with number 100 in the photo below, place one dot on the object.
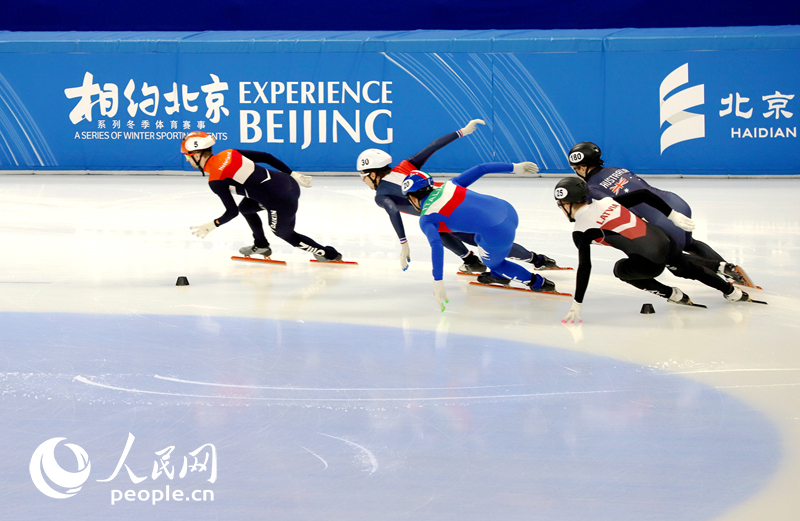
(586, 153)
(571, 190)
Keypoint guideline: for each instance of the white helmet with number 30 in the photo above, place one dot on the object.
(371, 159)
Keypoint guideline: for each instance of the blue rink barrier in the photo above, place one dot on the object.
(709, 101)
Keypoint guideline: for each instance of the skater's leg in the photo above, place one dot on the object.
(282, 218)
(687, 267)
(454, 243)
(249, 208)
(641, 273)
(521, 253)
(703, 250)
(494, 246)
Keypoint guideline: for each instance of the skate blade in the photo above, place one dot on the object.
(554, 268)
(754, 301)
(468, 273)
(264, 261)
(352, 263)
(748, 282)
(500, 286)
(689, 304)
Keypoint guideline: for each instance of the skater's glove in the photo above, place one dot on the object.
(302, 180)
(525, 168)
(203, 230)
(681, 221)
(405, 255)
(574, 314)
(470, 128)
(440, 293)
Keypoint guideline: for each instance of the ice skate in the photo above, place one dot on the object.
(679, 297)
(738, 295)
(542, 285)
(731, 272)
(322, 258)
(249, 251)
(472, 264)
(487, 278)
(543, 262)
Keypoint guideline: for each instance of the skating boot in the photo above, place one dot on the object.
(730, 272)
(472, 264)
(487, 278)
(539, 284)
(679, 297)
(249, 251)
(543, 262)
(737, 295)
(330, 255)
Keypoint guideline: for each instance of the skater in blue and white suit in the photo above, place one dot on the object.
(493, 221)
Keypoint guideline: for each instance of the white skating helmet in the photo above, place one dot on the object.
(371, 159)
(197, 140)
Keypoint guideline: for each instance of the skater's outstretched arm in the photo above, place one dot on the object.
(468, 177)
(266, 158)
(421, 157)
(649, 198)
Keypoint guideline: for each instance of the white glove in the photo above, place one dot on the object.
(681, 221)
(525, 168)
(574, 314)
(405, 255)
(440, 293)
(302, 180)
(203, 230)
(470, 128)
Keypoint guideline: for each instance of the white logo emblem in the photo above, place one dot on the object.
(44, 464)
(561, 192)
(576, 157)
(683, 125)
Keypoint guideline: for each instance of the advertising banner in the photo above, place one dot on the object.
(125, 104)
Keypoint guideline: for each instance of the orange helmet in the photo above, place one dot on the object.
(196, 141)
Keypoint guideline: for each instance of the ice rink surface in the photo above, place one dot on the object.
(331, 392)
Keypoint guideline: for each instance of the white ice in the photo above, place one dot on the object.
(115, 245)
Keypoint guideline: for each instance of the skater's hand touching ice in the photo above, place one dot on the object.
(574, 314)
(440, 293)
(405, 255)
(203, 230)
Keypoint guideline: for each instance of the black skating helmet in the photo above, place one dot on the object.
(586, 153)
(571, 190)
